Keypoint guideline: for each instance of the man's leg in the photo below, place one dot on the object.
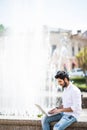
(46, 120)
(64, 122)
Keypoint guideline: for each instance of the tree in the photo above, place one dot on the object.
(82, 60)
(2, 28)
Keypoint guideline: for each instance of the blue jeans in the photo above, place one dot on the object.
(63, 121)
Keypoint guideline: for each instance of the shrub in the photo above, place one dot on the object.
(78, 79)
(80, 83)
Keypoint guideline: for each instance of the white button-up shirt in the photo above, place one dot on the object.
(72, 98)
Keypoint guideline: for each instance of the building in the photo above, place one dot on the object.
(64, 46)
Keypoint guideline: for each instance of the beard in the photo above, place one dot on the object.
(65, 85)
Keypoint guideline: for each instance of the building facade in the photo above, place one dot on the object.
(64, 46)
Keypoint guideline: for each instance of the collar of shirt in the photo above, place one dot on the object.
(68, 87)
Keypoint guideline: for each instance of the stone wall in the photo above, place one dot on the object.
(6, 124)
(76, 126)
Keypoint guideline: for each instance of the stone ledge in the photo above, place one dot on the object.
(76, 126)
(12, 124)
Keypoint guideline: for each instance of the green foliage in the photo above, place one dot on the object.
(82, 61)
(39, 115)
(80, 83)
(78, 79)
(82, 58)
(2, 28)
(82, 87)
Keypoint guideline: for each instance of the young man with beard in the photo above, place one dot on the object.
(69, 111)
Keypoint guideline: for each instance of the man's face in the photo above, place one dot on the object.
(62, 82)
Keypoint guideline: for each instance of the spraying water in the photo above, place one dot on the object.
(24, 57)
(23, 62)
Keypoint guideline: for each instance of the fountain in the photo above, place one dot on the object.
(27, 72)
(22, 72)
(23, 60)
(25, 76)
(59, 60)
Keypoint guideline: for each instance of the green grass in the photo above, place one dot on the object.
(80, 82)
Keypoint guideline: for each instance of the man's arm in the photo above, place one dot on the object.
(64, 110)
(60, 109)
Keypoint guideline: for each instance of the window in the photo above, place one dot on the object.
(79, 48)
(53, 48)
(73, 51)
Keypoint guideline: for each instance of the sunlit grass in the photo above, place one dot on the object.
(84, 86)
(80, 82)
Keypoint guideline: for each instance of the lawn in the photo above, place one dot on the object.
(80, 82)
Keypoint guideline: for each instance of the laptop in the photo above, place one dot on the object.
(43, 111)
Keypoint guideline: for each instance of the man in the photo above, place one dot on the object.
(69, 111)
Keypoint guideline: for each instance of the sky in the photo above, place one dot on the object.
(65, 14)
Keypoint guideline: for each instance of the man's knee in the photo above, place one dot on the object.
(44, 120)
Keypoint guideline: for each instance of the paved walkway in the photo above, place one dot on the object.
(84, 94)
(83, 116)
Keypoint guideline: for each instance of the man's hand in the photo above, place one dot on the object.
(54, 111)
(58, 110)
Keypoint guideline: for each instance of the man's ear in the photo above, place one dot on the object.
(65, 79)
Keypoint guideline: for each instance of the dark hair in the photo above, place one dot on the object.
(61, 75)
